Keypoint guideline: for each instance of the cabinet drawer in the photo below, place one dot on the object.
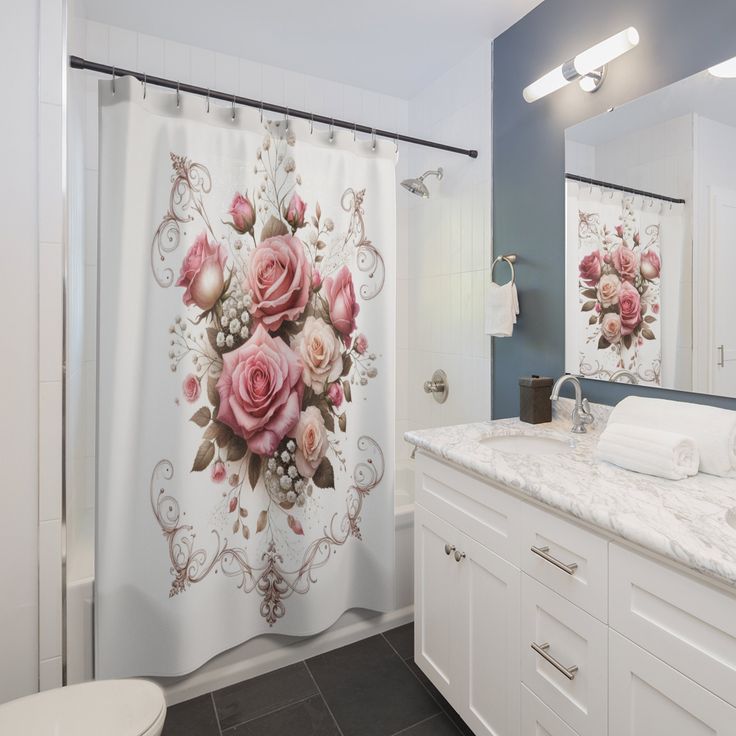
(577, 642)
(688, 624)
(567, 558)
(649, 697)
(538, 720)
(487, 514)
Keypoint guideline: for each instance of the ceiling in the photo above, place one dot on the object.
(395, 47)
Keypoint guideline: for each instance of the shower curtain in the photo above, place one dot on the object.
(628, 264)
(245, 379)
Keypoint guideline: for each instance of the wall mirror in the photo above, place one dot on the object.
(651, 239)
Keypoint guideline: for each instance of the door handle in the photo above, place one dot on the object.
(449, 549)
(543, 552)
(543, 651)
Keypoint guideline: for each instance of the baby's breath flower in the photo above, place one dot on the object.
(229, 341)
(285, 483)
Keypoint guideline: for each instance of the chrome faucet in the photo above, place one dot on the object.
(581, 415)
(623, 373)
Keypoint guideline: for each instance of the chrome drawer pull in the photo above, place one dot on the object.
(543, 552)
(543, 651)
(449, 549)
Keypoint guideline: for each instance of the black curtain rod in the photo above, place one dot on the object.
(76, 62)
(618, 187)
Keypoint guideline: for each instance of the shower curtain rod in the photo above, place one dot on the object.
(76, 62)
(628, 190)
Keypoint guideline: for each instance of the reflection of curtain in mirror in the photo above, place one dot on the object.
(620, 315)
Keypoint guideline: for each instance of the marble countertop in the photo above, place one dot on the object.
(683, 520)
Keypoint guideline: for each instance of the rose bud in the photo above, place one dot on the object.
(295, 211)
(243, 214)
(650, 265)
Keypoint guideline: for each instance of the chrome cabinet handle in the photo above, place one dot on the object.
(543, 552)
(449, 549)
(543, 651)
(459, 556)
(721, 356)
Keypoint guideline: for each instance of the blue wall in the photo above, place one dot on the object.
(678, 38)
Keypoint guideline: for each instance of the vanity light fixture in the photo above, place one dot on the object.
(589, 66)
(724, 70)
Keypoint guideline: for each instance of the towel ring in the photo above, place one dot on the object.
(510, 258)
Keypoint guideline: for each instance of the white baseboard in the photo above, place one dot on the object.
(271, 653)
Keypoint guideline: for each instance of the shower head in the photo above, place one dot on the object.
(417, 186)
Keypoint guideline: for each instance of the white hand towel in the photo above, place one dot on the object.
(654, 452)
(502, 306)
(713, 429)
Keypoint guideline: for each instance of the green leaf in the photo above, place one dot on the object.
(342, 421)
(347, 390)
(273, 227)
(603, 343)
(254, 470)
(262, 521)
(347, 364)
(201, 417)
(649, 319)
(219, 432)
(593, 319)
(204, 456)
(589, 293)
(325, 475)
(627, 341)
(587, 306)
(236, 449)
(647, 334)
(212, 393)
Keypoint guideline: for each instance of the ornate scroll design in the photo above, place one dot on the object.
(191, 563)
(188, 182)
(368, 257)
(587, 369)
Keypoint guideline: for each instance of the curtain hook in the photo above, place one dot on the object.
(261, 110)
(373, 139)
(178, 99)
(311, 124)
(113, 80)
(144, 85)
(332, 130)
(286, 120)
(233, 110)
(396, 143)
(208, 100)
(355, 130)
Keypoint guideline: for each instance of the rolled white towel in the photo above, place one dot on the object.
(651, 451)
(713, 429)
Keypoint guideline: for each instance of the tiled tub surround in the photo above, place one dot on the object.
(682, 520)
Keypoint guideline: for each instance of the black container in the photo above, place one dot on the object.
(535, 405)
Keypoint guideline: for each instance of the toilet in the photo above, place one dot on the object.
(109, 707)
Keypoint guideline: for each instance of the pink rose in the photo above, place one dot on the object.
(626, 262)
(243, 214)
(219, 472)
(629, 303)
(611, 327)
(650, 265)
(202, 273)
(311, 441)
(295, 210)
(321, 354)
(361, 344)
(341, 300)
(316, 279)
(590, 268)
(261, 391)
(620, 231)
(279, 278)
(608, 290)
(335, 394)
(190, 388)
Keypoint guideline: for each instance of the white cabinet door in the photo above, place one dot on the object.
(491, 635)
(649, 697)
(438, 602)
(539, 720)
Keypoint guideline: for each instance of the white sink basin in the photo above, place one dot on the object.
(527, 444)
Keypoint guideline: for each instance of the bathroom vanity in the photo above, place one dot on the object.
(558, 595)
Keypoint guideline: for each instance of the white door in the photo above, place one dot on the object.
(491, 632)
(649, 697)
(438, 602)
(723, 268)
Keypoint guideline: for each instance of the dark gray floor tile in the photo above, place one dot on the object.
(439, 725)
(261, 695)
(402, 640)
(309, 718)
(440, 699)
(370, 690)
(194, 717)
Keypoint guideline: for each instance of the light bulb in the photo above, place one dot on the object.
(724, 70)
(550, 82)
(605, 51)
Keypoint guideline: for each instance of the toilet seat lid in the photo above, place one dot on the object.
(110, 707)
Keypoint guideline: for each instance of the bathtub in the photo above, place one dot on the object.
(268, 652)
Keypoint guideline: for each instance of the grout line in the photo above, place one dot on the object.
(266, 713)
(393, 648)
(418, 723)
(324, 699)
(217, 715)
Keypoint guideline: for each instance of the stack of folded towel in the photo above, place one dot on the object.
(670, 439)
